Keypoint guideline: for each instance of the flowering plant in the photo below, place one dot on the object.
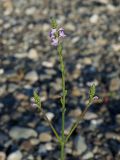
(56, 34)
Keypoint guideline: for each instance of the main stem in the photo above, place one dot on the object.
(62, 100)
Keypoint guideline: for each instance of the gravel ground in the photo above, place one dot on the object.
(27, 61)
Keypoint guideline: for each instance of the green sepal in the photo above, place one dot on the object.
(37, 99)
(53, 23)
(92, 92)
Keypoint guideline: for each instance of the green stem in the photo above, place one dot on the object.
(77, 122)
(50, 124)
(62, 100)
(62, 152)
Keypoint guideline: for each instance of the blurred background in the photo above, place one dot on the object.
(28, 61)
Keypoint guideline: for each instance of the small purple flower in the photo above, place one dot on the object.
(55, 34)
(54, 41)
(95, 98)
(52, 33)
(61, 33)
(34, 105)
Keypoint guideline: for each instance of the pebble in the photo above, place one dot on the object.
(75, 112)
(30, 157)
(94, 19)
(88, 156)
(47, 64)
(2, 156)
(26, 146)
(1, 71)
(33, 54)
(44, 148)
(30, 11)
(22, 133)
(70, 27)
(45, 137)
(116, 47)
(34, 141)
(76, 92)
(32, 76)
(87, 61)
(90, 116)
(50, 115)
(17, 155)
(80, 144)
(114, 84)
(12, 87)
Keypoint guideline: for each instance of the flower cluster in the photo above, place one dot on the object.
(55, 35)
(34, 105)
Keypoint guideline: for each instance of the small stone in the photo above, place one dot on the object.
(111, 8)
(90, 116)
(20, 55)
(75, 113)
(94, 19)
(112, 135)
(8, 6)
(115, 84)
(32, 76)
(33, 54)
(45, 137)
(47, 64)
(30, 157)
(22, 133)
(44, 148)
(68, 124)
(88, 156)
(30, 11)
(2, 90)
(34, 141)
(45, 27)
(76, 92)
(26, 146)
(87, 61)
(80, 144)
(2, 156)
(75, 39)
(70, 26)
(76, 74)
(17, 155)
(50, 115)
(49, 146)
(1, 71)
(116, 47)
(1, 105)
(12, 87)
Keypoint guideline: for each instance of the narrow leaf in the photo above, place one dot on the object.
(92, 91)
(37, 99)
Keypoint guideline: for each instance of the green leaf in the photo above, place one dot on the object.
(53, 23)
(37, 99)
(92, 91)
